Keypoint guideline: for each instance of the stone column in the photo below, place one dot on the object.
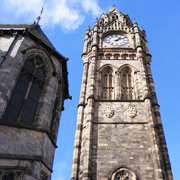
(90, 108)
(80, 116)
(158, 125)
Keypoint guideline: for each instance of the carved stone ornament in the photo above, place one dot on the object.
(131, 112)
(109, 112)
(123, 174)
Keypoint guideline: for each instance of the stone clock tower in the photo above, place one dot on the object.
(119, 133)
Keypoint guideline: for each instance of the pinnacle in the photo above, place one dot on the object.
(134, 21)
(88, 29)
(96, 22)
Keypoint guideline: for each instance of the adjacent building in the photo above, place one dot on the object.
(33, 87)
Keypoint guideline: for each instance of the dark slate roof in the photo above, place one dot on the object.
(32, 28)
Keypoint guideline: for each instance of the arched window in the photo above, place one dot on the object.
(107, 83)
(24, 100)
(123, 174)
(126, 83)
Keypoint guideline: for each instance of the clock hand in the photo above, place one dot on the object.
(119, 38)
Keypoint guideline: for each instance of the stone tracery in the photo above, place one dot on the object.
(124, 174)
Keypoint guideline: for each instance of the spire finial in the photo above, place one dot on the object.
(113, 5)
(39, 17)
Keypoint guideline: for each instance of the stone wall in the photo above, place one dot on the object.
(122, 141)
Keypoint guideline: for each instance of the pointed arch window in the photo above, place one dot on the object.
(24, 100)
(126, 84)
(107, 83)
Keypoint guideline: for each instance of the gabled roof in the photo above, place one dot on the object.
(33, 28)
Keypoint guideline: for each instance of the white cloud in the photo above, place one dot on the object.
(23, 7)
(61, 13)
(69, 14)
(91, 6)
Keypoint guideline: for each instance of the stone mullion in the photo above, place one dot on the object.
(134, 86)
(100, 40)
(80, 116)
(116, 87)
(120, 86)
(158, 125)
(108, 87)
(100, 87)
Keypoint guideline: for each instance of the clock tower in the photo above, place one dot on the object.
(119, 133)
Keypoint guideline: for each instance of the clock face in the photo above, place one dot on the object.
(116, 39)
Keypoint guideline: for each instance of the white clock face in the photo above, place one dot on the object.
(116, 39)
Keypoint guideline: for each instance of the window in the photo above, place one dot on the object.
(24, 100)
(107, 83)
(123, 174)
(126, 83)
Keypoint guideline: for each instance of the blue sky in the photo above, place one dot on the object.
(65, 22)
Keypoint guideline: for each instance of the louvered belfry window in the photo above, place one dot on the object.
(25, 97)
